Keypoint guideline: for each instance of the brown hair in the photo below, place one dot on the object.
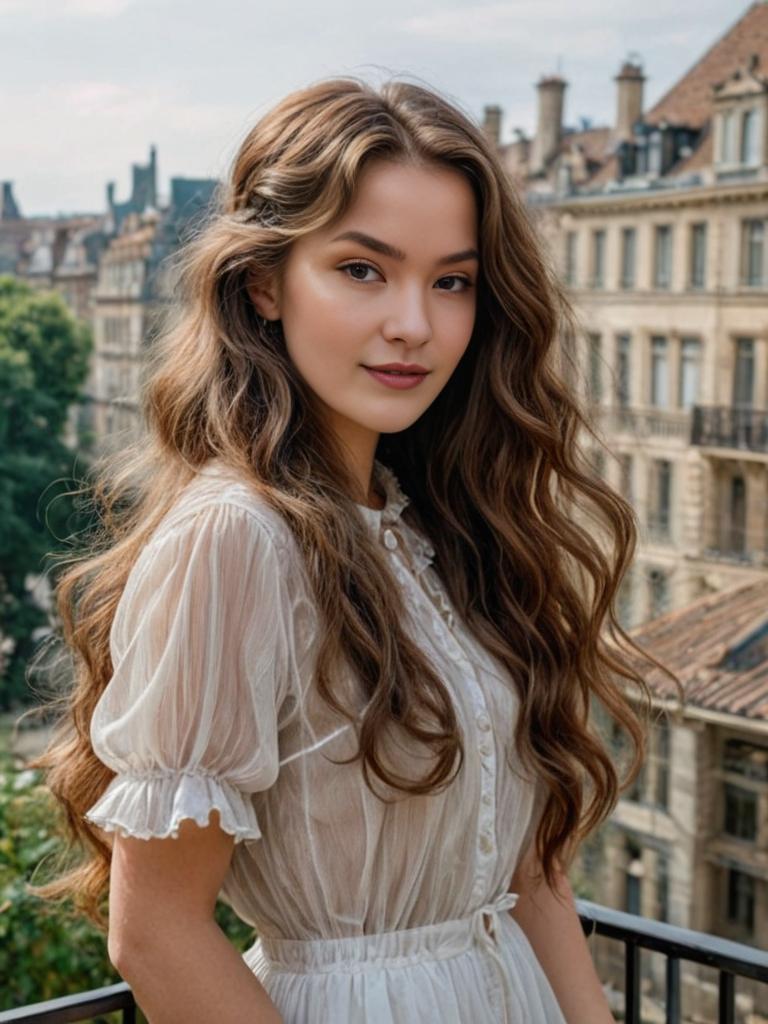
(530, 544)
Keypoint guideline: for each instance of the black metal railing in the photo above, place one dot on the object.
(78, 1007)
(730, 426)
(731, 959)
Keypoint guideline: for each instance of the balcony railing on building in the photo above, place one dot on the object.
(636, 934)
(647, 421)
(730, 426)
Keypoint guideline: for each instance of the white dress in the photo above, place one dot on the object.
(366, 912)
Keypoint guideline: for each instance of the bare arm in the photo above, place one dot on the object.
(552, 926)
(163, 938)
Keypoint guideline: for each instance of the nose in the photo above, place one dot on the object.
(409, 321)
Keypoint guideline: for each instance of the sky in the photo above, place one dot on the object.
(86, 86)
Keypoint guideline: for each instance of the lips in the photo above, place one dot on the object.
(411, 369)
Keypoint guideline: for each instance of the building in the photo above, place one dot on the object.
(689, 844)
(130, 297)
(658, 225)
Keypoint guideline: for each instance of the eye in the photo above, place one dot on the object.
(367, 266)
(358, 263)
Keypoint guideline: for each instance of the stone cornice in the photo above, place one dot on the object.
(656, 199)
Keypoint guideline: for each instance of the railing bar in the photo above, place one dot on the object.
(632, 983)
(673, 990)
(726, 1013)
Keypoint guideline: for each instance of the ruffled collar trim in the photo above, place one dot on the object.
(395, 500)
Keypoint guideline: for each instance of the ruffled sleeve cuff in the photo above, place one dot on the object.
(151, 805)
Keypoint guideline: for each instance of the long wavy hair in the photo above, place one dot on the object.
(530, 543)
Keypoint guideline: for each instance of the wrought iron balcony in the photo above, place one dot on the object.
(730, 426)
(648, 421)
(732, 960)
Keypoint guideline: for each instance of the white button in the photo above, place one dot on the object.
(390, 540)
(485, 844)
(484, 722)
(485, 750)
(487, 798)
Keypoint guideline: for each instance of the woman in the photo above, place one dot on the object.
(340, 649)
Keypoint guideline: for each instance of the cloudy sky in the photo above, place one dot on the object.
(87, 85)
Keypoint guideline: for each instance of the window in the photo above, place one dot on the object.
(659, 372)
(659, 510)
(598, 259)
(570, 257)
(659, 592)
(626, 467)
(737, 518)
(662, 267)
(753, 251)
(595, 382)
(728, 137)
(633, 876)
(628, 247)
(662, 886)
(744, 372)
(742, 757)
(740, 812)
(748, 152)
(740, 903)
(660, 754)
(690, 372)
(623, 364)
(697, 271)
(624, 603)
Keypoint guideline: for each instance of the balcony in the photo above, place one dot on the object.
(731, 960)
(738, 428)
(642, 422)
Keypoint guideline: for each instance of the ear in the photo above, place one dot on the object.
(265, 295)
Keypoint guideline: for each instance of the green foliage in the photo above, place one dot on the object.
(44, 354)
(47, 950)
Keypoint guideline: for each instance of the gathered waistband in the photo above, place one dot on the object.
(398, 948)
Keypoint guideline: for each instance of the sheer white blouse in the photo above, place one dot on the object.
(365, 912)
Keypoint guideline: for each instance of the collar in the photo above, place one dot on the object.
(394, 499)
(378, 519)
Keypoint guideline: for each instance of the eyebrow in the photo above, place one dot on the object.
(397, 254)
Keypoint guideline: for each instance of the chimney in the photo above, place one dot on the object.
(549, 126)
(492, 122)
(629, 98)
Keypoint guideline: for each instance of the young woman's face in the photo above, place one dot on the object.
(345, 304)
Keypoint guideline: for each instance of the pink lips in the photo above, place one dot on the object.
(399, 381)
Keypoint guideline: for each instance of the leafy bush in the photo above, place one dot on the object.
(49, 950)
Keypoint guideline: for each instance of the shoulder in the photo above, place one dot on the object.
(229, 504)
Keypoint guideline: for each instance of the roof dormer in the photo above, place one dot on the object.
(740, 121)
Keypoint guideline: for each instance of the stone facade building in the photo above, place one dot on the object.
(689, 843)
(658, 225)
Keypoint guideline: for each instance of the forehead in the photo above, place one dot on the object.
(404, 200)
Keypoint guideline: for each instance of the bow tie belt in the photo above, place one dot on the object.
(491, 910)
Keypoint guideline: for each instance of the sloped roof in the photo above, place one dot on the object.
(718, 646)
(689, 101)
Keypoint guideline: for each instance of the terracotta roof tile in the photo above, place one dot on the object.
(718, 646)
(689, 101)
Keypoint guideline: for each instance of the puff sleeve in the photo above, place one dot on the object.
(200, 654)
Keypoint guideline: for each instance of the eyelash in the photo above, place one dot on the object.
(447, 277)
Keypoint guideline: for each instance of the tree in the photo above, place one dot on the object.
(44, 355)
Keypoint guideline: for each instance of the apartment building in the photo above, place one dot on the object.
(657, 223)
(130, 299)
(689, 843)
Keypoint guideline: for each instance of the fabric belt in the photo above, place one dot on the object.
(403, 947)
